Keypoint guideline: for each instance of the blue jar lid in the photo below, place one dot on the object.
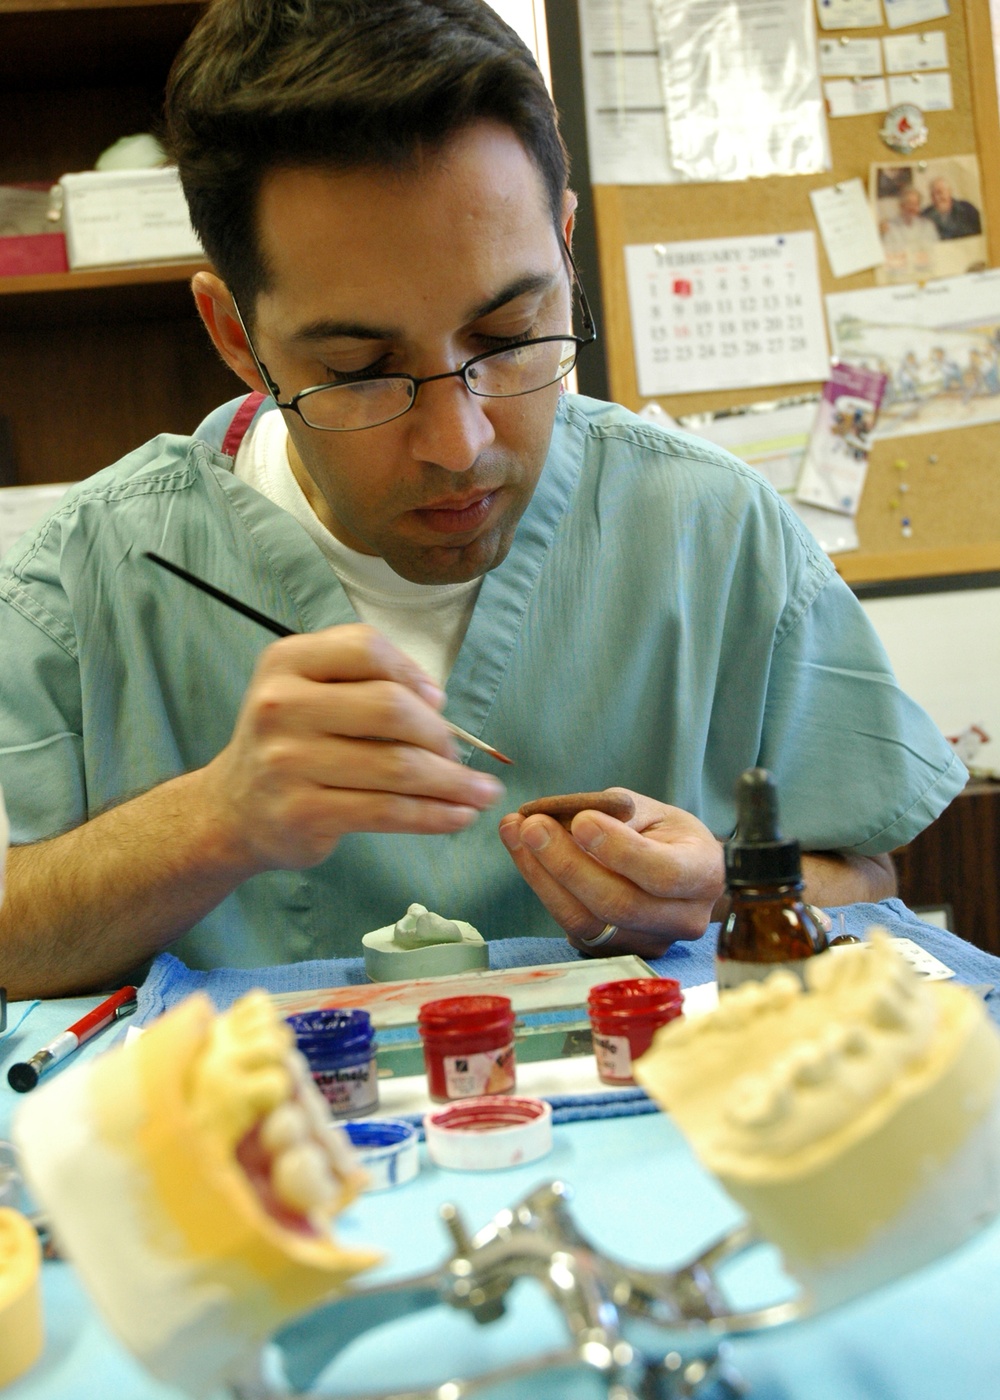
(331, 1034)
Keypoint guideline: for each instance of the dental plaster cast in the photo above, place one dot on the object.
(423, 944)
(21, 1335)
(192, 1176)
(857, 1121)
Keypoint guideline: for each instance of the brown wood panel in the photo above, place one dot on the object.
(92, 364)
(78, 400)
(956, 861)
(954, 495)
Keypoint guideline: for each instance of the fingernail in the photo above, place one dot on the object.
(534, 836)
(587, 833)
(510, 834)
(488, 788)
(432, 693)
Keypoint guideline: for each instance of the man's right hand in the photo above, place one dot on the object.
(339, 731)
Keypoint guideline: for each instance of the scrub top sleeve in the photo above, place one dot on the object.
(41, 749)
(860, 766)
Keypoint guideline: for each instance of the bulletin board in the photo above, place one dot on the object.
(953, 477)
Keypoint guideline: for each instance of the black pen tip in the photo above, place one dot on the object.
(22, 1077)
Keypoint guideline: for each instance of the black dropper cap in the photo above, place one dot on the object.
(757, 853)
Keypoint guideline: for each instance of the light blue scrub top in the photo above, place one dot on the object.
(662, 622)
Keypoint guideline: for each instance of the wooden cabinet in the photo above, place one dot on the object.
(956, 861)
(92, 363)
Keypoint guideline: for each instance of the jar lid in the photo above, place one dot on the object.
(490, 1133)
(387, 1149)
(331, 1028)
(636, 994)
(472, 1012)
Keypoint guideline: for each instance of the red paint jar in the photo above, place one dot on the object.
(623, 1019)
(468, 1046)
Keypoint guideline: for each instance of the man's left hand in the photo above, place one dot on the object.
(656, 878)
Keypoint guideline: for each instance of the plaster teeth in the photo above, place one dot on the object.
(285, 1126)
(302, 1179)
(757, 1102)
(340, 1151)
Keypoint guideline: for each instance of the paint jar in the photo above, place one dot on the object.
(468, 1046)
(623, 1019)
(387, 1149)
(340, 1048)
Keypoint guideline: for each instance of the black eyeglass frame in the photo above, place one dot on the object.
(588, 338)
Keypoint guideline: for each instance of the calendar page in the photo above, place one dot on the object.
(726, 313)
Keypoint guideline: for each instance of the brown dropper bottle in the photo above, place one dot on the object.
(768, 925)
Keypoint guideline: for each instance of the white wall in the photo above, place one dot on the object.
(945, 650)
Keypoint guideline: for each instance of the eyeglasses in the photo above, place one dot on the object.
(523, 367)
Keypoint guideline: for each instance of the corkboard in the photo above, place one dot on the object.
(953, 502)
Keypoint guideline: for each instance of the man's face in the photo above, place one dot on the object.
(941, 195)
(909, 203)
(415, 272)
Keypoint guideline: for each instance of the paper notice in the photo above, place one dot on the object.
(914, 53)
(847, 227)
(849, 14)
(853, 97)
(900, 13)
(850, 58)
(931, 92)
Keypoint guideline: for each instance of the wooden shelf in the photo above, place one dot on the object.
(130, 276)
(42, 6)
(93, 363)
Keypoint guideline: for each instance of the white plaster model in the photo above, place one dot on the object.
(423, 944)
(191, 1176)
(858, 1121)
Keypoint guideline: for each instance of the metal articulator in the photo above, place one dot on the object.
(644, 1335)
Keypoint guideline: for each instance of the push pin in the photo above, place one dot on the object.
(900, 464)
(894, 503)
(904, 486)
(906, 527)
(932, 459)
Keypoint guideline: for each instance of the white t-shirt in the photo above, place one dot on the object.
(426, 621)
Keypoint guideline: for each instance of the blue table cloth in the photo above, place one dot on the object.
(639, 1194)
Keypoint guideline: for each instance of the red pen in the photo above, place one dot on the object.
(26, 1075)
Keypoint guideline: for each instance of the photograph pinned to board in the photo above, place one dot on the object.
(929, 216)
(772, 437)
(836, 460)
(938, 345)
(726, 313)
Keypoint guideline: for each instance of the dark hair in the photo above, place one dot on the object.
(268, 84)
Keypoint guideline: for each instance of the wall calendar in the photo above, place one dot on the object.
(726, 313)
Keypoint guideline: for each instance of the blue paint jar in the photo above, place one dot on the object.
(340, 1048)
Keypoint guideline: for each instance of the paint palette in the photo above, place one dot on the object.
(550, 1002)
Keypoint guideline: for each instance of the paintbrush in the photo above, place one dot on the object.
(280, 630)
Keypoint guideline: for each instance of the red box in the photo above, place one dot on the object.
(29, 255)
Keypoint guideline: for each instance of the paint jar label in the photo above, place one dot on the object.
(486, 1072)
(351, 1091)
(613, 1056)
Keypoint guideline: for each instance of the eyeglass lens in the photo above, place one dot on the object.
(520, 369)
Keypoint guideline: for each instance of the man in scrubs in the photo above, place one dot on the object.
(383, 194)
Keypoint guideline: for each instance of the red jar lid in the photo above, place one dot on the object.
(464, 1014)
(636, 996)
